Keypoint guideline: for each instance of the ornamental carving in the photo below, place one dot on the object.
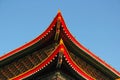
(88, 68)
(25, 63)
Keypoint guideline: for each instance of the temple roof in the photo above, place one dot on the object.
(54, 40)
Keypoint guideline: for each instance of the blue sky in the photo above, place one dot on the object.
(94, 23)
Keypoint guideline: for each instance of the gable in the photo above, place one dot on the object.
(36, 54)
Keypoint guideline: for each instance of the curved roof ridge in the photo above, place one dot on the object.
(32, 41)
(45, 62)
(70, 36)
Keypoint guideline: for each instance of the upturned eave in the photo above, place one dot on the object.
(71, 40)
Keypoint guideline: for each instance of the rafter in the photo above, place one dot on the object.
(56, 31)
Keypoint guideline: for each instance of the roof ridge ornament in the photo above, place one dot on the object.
(59, 11)
(60, 55)
(61, 42)
(58, 24)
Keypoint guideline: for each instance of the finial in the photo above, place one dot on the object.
(59, 11)
(59, 17)
(61, 41)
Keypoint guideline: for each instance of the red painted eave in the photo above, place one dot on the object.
(70, 37)
(49, 60)
(31, 42)
(85, 49)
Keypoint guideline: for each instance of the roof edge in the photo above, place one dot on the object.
(40, 66)
(86, 50)
(70, 37)
(32, 42)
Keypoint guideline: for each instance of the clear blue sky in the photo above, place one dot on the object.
(94, 23)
